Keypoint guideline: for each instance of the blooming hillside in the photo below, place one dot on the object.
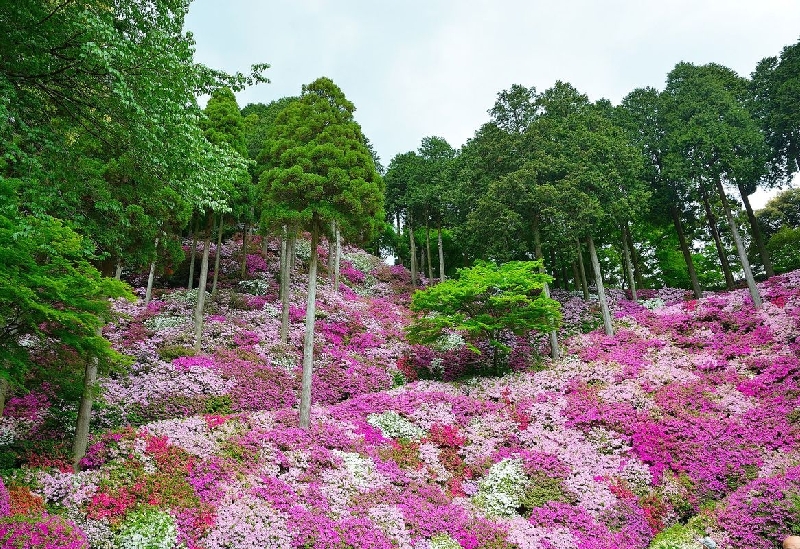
(684, 425)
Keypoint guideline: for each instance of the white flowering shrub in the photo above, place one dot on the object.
(161, 323)
(362, 261)
(449, 342)
(501, 490)
(147, 528)
(652, 304)
(360, 469)
(188, 297)
(393, 425)
(302, 249)
(255, 286)
(443, 541)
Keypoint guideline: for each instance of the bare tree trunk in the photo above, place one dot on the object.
(721, 252)
(441, 253)
(555, 351)
(628, 265)
(216, 258)
(292, 250)
(245, 238)
(636, 257)
(748, 273)
(3, 394)
(756, 231)
(331, 252)
(412, 251)
(81, 440)
(576, 277)
(286, 284)
(687, 254)
(338, 257)
(118, 272)
(308, 341)
(601, 293)
(151, 277)
(582, 269)
(194, 255)
(428, 249)
(201, 293)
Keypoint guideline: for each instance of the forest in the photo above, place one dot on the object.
(233, 327)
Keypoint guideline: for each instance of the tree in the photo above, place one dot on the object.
(714, 140)
(485, 301)
(49, 291)
(320, 171)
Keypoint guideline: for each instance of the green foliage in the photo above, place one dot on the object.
(484, 301)
(48, 288)
(171, 352)
(784, 249)
(320, 169)
(147, 528)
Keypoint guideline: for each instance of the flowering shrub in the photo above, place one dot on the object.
(45, 532)
(147, 528)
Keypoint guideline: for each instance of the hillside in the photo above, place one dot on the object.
(684, 424)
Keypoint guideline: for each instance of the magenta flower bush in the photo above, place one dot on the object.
(689, 415)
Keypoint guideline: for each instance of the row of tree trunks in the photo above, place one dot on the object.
(711, 220)
(687, 254)
(412, 250)
(756, 233)
(601, 294)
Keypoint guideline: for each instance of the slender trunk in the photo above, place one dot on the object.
(556, 280)
(3, 393)
(423, 262)
(601, 294)
(756, 232)
(331, 252)
(441, 252)
(737, 238)
(687, 254)
(245, 236)
(636, 257)
(721, 252)
(286, 284)
(118, 272)
(151, 277)
(555, 351)
(628, 266)
(576, 277)
(81, 440)
(308, 341)
(428, 250)
(194, 255)
(216, 259)
(412, 246)
(201, 293)
(292, 251)
(338, 257)
(582, 270)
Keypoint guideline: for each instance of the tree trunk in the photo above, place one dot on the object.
(245, 235)
(748, 273)
(337, 264)
(556, 280)
(721, 252)
(286, 284)
(308, 341)
(576, 277)
(428, 250)
(151, 277)
(3, 394)
(687, 254)
(441, 252)
(582, 269)
(201, 293)
(628, 266)
(331, 252)
(118, 272)
(601, 294)
(757, 236)
(216, 258)
(81, 440)
(194, 255)
(555, 351)
(292, 251)
(636, 257)
(412, 251)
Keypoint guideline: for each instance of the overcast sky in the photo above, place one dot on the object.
(420, 68)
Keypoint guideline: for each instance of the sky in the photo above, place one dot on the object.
(433, 68)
